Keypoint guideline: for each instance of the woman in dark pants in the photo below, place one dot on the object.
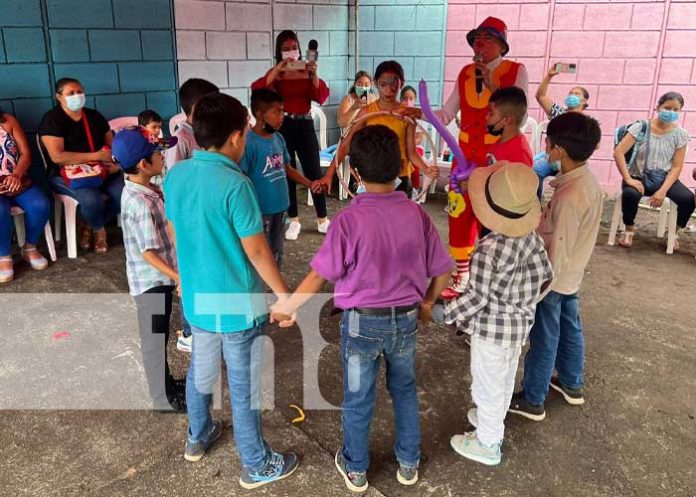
(658, 165)
(298, 89)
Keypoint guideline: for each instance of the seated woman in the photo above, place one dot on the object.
(658, 164)
(575, 101)
(359, 96)
(73, 134)
(408, 97)
(16, 190)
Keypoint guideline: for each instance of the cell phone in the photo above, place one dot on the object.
(312, 55)
(569, 68)
(296, 65)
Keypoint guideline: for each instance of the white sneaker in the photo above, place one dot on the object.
(468, 445)
(323, 227)
(293, 230)
(472, 417)
(185, 344)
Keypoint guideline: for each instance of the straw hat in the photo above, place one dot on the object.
(504, 199)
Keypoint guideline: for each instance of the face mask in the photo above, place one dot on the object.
(75, 102)
(495, 132)
(572, 101)
(553, 165)
(361, 91)
(361, 189)
(267, 128)
(292, 55)
(668, 116)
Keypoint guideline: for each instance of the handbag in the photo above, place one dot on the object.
(652, 178)
(88, 175)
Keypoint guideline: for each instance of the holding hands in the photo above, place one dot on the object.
(10, 183)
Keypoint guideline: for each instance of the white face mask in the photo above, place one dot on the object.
(292, 55)
(75, 102)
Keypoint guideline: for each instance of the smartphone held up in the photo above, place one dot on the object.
(564, 67)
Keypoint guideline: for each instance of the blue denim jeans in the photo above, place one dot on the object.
(556, 341)
(97, 205)
(364, 340)
(243, 361)
(36, 207)
(274, 229)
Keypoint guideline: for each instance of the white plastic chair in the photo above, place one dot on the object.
(533, 127)
(667, 222)
(63, 202)
(537, 142)
(174, 122)
(18, 216)
(118, 123)
(318, 114)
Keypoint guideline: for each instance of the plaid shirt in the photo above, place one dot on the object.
(505, 283)
(145, 228)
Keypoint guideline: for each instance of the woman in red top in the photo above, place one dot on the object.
(298, 89)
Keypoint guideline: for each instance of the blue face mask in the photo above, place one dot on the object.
(75, 102)
(555, 165)
(668, 116)
(572, 101)
(361, 189)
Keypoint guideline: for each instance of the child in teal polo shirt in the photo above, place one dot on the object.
(266, 161)
(223, 257)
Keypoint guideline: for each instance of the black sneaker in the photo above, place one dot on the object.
(572, 396)
(407, 475)
(356, 482)
(519, 405)
(279, 466)
(195, 451)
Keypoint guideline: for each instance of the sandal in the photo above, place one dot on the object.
(38, 262)
(626, 239)
(7, 274)
(100, 245)
(85, 237)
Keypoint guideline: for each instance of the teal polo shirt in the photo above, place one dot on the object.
(212, 205)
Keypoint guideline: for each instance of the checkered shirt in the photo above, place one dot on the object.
(505, 283)
(145, 228)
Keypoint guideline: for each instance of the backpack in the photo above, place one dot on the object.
(619, 134)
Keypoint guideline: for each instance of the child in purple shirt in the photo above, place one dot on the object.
(381, 252)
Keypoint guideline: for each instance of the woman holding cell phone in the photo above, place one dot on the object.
(575, 101)
(298, 83)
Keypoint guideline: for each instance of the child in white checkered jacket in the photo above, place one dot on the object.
(509, 270)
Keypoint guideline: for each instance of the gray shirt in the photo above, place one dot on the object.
(661, 152)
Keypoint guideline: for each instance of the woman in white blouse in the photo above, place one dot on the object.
(658, 164)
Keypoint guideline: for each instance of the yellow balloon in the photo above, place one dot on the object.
(455, 203)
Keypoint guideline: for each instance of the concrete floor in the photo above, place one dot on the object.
(636, 435)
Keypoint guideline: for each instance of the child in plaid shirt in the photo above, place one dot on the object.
(509, 270)
(150, 259)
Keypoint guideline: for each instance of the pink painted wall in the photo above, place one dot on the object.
(628, 54)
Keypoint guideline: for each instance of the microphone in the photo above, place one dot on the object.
(312, 52)
(479, 74)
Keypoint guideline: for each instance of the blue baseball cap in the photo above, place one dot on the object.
(135, 143)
